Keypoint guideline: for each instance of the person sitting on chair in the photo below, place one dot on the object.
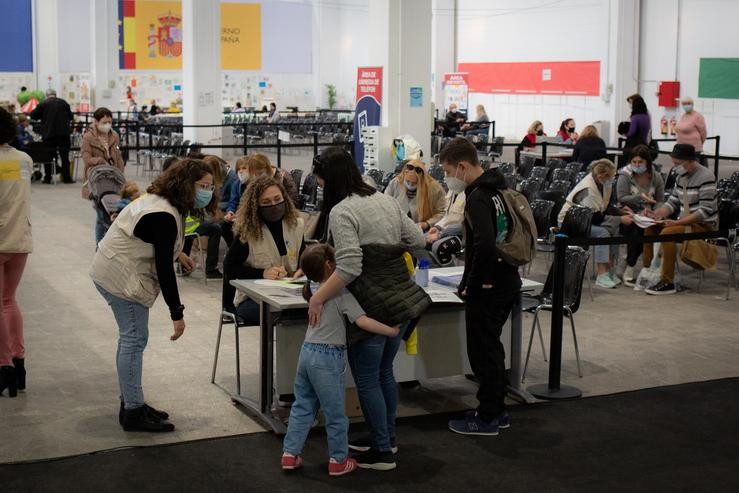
(451, 223)
(268, 243)
(419, 196)
(696, 188)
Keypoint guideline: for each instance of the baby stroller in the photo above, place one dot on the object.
(105, 183)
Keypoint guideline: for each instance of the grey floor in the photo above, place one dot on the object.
(628, 341)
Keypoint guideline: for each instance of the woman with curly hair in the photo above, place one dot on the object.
(134, 261)
(268, 242)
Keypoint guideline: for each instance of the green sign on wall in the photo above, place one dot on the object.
(719, 78)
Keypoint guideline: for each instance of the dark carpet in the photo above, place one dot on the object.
(679, 438)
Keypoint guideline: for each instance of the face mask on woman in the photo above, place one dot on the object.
(202, 198)
(540, 132)
(243, 176)
(104, 127)
(638, 169)
(688, 107)
(410, 186)
(272, 213)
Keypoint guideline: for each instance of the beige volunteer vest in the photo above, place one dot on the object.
(263, 253)
(124, 264)
(587, 183)
(15, 201)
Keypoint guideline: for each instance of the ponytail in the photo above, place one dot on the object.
(307, 293)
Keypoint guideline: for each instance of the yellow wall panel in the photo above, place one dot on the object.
(241, 36)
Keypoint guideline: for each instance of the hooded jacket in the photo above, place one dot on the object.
(482, 263)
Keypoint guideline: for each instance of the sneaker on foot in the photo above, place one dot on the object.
(373, 459)
(504, 420)
(140, 419)
(336, 468)
(364, 444)
(290, 462)
(614, 277)
(662, 288)
(472, 424)
(604, 281)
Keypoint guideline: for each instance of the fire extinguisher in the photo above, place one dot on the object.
(663, 125)
(673, 126)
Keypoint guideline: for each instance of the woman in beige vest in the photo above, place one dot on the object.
(135, 260)
(15, 245)
(268, 242)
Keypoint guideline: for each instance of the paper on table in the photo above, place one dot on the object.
(442, 295)
(277, 284)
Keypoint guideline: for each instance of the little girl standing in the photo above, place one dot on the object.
(319, 382)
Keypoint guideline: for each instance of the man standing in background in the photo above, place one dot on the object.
(55, 115)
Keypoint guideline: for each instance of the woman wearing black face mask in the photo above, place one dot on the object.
(268, 242)
(567, 134)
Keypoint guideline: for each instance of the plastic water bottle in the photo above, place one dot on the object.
(422, 273)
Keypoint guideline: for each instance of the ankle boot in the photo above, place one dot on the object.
(139, 419)
(8, 380)
(20, 372)
(161, 415)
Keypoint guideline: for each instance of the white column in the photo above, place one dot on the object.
(104, 53)
(623, 69)
(46, 47)
(400, 37)
(443, 52)
(201, 69)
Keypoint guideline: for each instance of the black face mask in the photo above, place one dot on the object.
(571, 130)
(272, 213)
(540, 132)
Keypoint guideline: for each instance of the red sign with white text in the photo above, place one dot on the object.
(456, 78)
(369, 83)
(566, 78)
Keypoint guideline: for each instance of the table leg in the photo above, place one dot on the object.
(514, 388)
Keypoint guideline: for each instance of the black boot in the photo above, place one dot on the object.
(161, 415)
(140, 420)
(8, 381)
(20, 372)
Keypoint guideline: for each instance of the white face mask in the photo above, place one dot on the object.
(410, 186)
(455, 184)
(243, 176)
(688, 107)
(104, 127)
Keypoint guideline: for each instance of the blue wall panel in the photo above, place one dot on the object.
(16, 36)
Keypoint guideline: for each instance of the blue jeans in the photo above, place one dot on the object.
(100, 227)
(319, 383)
(371, 361)
(248, 312)
(133, 334)
(602, 252)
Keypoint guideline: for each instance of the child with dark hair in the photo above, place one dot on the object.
(319, 382)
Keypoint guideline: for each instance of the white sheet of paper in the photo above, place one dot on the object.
(442, 295)
(643, 221)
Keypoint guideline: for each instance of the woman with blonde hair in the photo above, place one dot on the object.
(589, 146)
(594, 191)
(419, 195)
(259, 165)
(268, 243)
(536, 129)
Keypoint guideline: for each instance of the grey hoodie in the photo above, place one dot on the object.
(629, 192)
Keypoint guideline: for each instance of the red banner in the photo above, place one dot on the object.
(369, 83)
(566, 78)
(456, 78)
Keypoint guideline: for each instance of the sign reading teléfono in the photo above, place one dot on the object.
(368, 109)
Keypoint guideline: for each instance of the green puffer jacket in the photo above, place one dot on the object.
(385, 290)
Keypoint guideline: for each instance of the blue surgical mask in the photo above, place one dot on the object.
(202, 198)
(688, 107)
(638, 169)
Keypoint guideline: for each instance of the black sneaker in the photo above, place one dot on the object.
(364, 444)
(140, 420)
(161, 415)
(661, 288)
(214, 274)
(373, 459)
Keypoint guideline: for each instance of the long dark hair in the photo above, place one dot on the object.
(563, 125)
(341, 177)
(177, 185)
(313, 262)
(638, 106)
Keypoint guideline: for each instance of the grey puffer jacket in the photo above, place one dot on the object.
(385, 289)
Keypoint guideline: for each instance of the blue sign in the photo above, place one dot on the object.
(416, 97)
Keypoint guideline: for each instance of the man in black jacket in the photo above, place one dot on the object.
(55, 115)
(489, 285)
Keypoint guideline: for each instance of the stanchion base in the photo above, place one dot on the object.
(542, 391)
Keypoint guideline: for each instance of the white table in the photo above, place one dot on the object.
(442, 348)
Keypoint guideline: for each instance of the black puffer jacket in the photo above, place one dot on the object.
(385, 289)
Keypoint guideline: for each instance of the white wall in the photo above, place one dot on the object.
(523, 31)
(675, 35)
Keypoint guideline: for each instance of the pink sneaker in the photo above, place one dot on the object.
(290, 462)
(339, 469)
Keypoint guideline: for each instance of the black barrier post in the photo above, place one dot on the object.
(279, 150)
(246, 138)
(715, 163)
(544, 153)
(554, 390)
(315, 143)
